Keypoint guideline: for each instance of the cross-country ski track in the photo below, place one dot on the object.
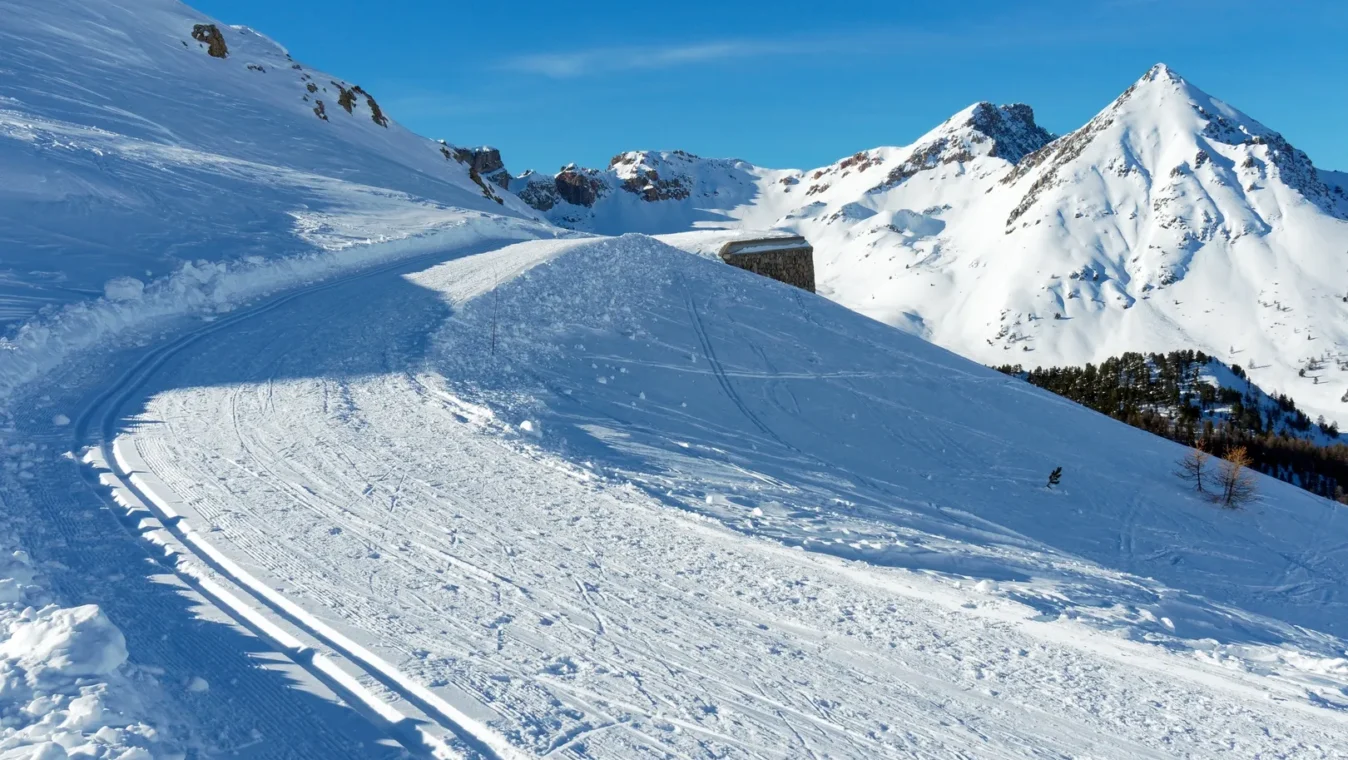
(336, 476)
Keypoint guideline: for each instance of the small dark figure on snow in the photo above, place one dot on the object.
(1054, 477)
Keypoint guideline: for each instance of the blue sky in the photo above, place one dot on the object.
(801, 84)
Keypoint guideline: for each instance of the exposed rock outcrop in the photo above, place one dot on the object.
(346, 98)
(673, 177)
(376, 114)
(651, 187)
(577, 186)
(486, 190)
(637, 174)
(487, 162)
(479, 162)
(210, 36)
(538, 191)
(1008, 132)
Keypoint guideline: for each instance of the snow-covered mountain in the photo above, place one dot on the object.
(1171, 220)
(643, 191)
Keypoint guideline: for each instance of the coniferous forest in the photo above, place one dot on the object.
(1195, 400)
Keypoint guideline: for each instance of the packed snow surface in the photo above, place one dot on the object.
(304, 455)
(145, 180)
(595, 498)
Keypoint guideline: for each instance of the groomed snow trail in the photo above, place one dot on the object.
(571, 614)
(153, 511)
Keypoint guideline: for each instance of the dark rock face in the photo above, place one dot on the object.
(347, 98)
(1011, 129)
(539, 192)
(476, 159)
(376, 114)
(210, 35)
(579, 187)
(652, 188)
(487, 162)
(646, 182)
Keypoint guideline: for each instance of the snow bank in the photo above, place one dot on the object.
(215, 287)
(65, 687)
(56, 643)
(123, 289)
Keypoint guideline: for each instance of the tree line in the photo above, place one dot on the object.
(1165, 394)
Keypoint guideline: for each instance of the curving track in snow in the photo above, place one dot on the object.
(471, 592)
(236, 591)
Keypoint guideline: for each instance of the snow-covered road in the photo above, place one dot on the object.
(346, 516)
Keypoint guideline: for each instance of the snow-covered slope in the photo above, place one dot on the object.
(1169, 221)
(599, 498)
(130, 147)
(452, 497)
(156, 163)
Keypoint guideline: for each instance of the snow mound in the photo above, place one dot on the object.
(65, 643)
(689, 379)
(65, 686)
(123, 289)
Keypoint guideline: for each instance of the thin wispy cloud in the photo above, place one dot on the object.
(813, 50)
(606, 60)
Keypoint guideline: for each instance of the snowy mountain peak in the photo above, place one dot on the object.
(1174, 139)
(1162, 73)
(1153, 227)
(1162, 93)
(661, 176)
(1008, 132)
(638, 191)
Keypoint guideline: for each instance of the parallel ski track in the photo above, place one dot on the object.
(97, 425)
